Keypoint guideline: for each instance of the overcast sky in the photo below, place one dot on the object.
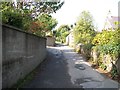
(98, 8)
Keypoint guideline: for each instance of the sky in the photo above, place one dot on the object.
(99, 9)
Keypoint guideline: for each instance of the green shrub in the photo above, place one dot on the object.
(12, 18)
(15, 18)
(103, 66)
(108, 42)
(114, 72)
(87, 50)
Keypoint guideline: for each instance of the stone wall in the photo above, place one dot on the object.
(50, 41)
(22, 52)
(106, 59)
(118, 65)
(0, 57)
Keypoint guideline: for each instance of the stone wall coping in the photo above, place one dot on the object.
(20, 30)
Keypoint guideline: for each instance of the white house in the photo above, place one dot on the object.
(70, 39)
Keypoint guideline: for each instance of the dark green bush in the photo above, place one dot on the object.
(12, 18)
(16, 18)
(87, 50)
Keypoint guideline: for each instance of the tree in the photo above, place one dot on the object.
(43, 24)
(84, 29)
(62, 32)
(45, 7)
(23, 14)
(34, 8)
(48, 21)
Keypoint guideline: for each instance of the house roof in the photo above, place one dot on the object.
(113, 20)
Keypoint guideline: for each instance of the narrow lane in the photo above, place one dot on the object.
(52, 73)
(63, 68)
